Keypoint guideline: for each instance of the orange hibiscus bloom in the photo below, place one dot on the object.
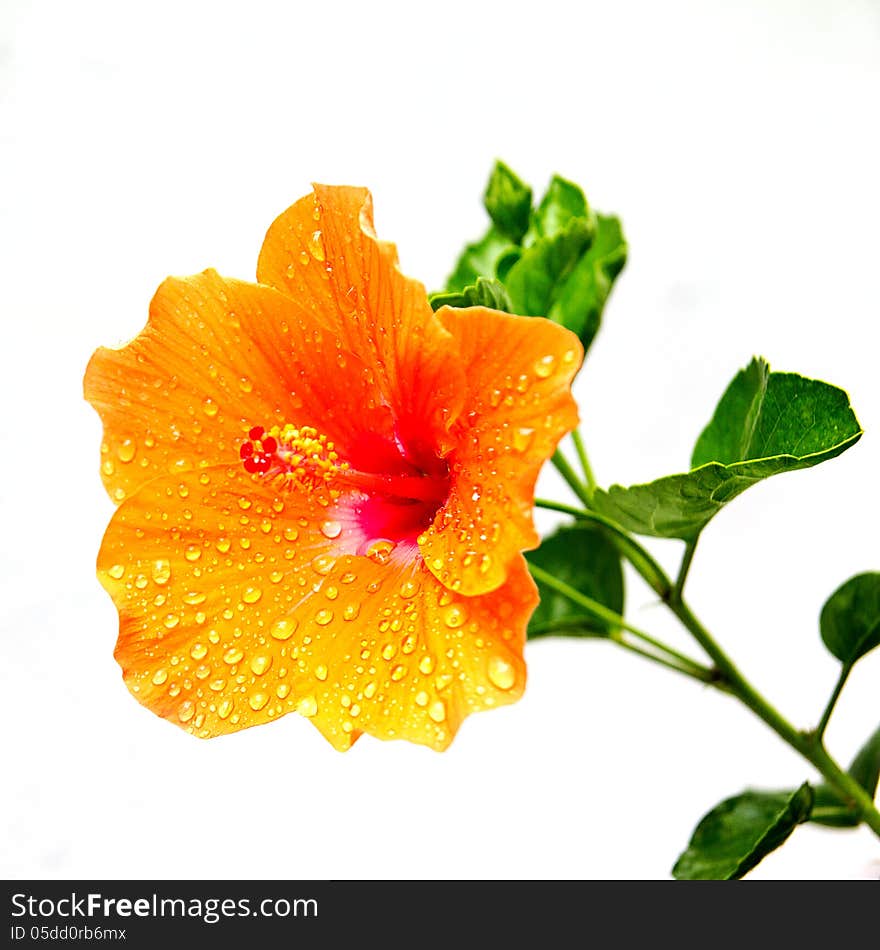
(324, 489)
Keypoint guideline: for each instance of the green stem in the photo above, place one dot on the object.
(809, 745)
(683, 663)
(829, 708)
(690, 547)
(640, 559)
(581, 450)
(574, 483)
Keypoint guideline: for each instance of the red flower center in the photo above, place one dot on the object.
(381, 497)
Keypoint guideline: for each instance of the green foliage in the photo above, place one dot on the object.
(583, 557)
(850, 620)
(509, 203)
(766, 423)
(483, 293)
(557, 260)
(736, 835)
(830, 808)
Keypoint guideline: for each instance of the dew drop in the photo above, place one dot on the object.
(187, 711)
(323, 617)
(260, 663)
(199, 651)
(282, 690)
(321, 672)
(290, 533)
(388, 651)
(258, 700)
(380, 550)
(171, 621)
(107, 467)
(422, 698)
(193, 552)
(116, 571)
(233, 656)
(210, 408)
(398, 672)
(126, 450)
(141, 581)
(323, 563)
(409, 589)
(351, 611)
(454, 616)
(316, 246)
(437, 710)
(161, 570)
(426, 664)
(225, 708)
(217, 685)
(307, 706)
(252, 595)
(194, 597)
(159, 677)
(523, 438)
(544, 366)
(283, 629)
(222, 545)
(331, 529)
(501, 672)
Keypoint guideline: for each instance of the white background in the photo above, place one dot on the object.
(739, 144)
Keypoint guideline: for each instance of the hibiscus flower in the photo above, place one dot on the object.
(324, 489)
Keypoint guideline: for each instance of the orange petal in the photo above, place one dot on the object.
(323, 252)
(388, 651)
(216, 357)
(519, 405)
(235, 610)
(207, 571)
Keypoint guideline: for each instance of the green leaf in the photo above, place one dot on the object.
(765, 424)
(478, 260)
(830, 808)
(562, 201)
(537, 278)
(583, 557)
(736, 835)
(850, 620)
(558, 260)
(509, 202)
(727, 437)
(581, 299)
(484, 293)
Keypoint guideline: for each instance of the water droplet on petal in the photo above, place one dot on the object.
(210, 408)
(126, 450)
(437, 710)
(323, 617)
(307, 706)
(258, 700)
(454, 616)
(501, 672)
(398, 672)
(187, 711)
(159, 677)
(544, 366)
(331, 529)
(161, 570)
(116, 571)
(426, 664)
(251, 595)
(380, 550)
(351, 611)
(522, 438)
(283, 629)
(198, 651)
(233, 656)
(316, 246)
(193, 552)
(260, 663)
(225, 708)
(321, 672)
